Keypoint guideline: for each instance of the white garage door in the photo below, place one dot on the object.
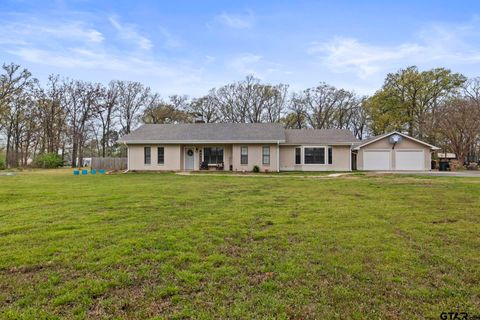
(376, 160)
(409, 160)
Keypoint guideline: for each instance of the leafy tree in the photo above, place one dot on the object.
(409, 100)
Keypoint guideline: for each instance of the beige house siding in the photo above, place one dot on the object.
(340, 160)
(175, 158)
(172, 156)
(384, 144)
(255, 155)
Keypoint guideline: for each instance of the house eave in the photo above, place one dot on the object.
(201, 141)
(318, 143)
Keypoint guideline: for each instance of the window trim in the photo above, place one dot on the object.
(158, 162)
(295, 156)
(265, 155)
(145, 156)
(241, 155)
(329, 159)
(217, 147)
(315, 164)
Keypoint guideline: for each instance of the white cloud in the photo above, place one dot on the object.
(236, 21)
(348, 54)
(35, 30)
(445, 45)
(245, 64)
(74, 48)
(129, 32)
(170, 41)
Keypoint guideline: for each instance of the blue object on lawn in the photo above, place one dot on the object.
(102, 171)
(93, 171)
(76, 172)
(84, 171)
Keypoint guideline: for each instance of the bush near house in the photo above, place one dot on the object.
(256, 168)
(48, 161)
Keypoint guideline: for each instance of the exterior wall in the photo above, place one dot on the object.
(406, 144)
(172, 158)
(341, 156)
(175, 158)
(254, 157)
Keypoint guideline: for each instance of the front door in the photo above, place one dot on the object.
(189, 158)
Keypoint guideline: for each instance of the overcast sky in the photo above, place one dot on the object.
(188, 47)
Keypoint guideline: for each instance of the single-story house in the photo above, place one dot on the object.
(241, 146)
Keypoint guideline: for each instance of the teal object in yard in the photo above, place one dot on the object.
(93, 171)
(84, 172)
(76, 172)
(101, 171)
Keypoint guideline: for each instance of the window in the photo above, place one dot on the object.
(314, 156)
(298, 155)
(243, 155)
(213, 155)
(266, 155)
(147, 156)
(330, 155)
(160, 155)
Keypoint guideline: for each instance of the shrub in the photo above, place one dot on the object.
(472, 166)
(256, 168)
(3, 166)
(48, 160)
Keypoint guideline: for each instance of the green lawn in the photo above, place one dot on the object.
(214, 247)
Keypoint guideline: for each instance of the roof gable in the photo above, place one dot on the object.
(374, 139)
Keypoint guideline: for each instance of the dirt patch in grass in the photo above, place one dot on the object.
(137, 246)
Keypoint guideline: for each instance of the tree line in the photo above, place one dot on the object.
(77, 119)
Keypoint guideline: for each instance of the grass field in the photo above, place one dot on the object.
(160, 246)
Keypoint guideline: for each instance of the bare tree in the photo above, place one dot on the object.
(206, 107)
(459, 126)
(471, 89)
(105, 111)
(81, 99)
(159, 111)
(132, 97)
(297, 113)
(16, 90)
(251, 101)
(52, 116)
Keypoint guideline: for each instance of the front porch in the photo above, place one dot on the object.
(206, 157)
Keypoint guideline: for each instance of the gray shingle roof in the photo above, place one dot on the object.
(235, 132)
(315, 136)
(207, 132)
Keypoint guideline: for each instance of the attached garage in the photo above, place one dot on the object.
(394, 151)
(377, 160)
(407, 160)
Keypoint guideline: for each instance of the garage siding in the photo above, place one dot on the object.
(405, 145)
